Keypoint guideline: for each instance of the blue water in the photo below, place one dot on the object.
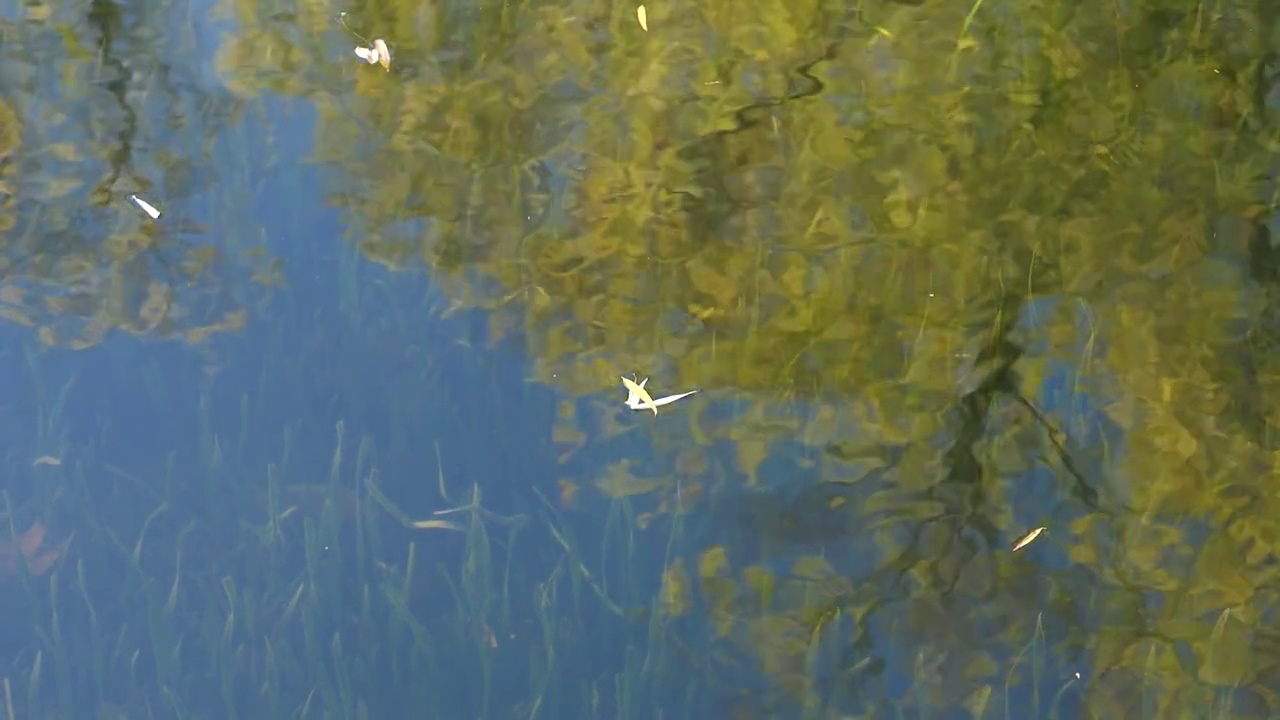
(345, 340)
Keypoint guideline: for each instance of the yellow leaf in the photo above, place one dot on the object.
(643, 17)
(643, 394)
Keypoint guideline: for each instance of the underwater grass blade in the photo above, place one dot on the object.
(545, 609)
(229, 624)
(292, 606)
(171, 602)
(362, 458)
(477, 597)
(33, 685)
(1057, 698)
(275, 535)
(575, 561)
(1037, 639)
(614, 520)
(135, 557)
(400, 611)
(335, 465)
(506, 576)
(385, 503)
(342, 677)
(322, 578)
(243, 439)
(56, 643)
(406, 586)
(314, 652)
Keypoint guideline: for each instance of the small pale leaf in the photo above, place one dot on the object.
(1025, 540)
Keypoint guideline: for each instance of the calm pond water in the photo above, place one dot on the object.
(313, 403)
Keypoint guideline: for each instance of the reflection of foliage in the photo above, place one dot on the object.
(807, 194)
(1007, 242)
(10, 138)
(777, 621)
(77, 260)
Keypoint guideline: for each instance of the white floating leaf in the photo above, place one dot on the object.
(636, 402)
(147, 207)
(376, 54)
(640, 394)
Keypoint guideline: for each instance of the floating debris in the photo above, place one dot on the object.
(637, 394)
(46, 460)
(147, 207)
(643, 17)
(1025, 540)
(377, 51)
(376, 54)
(639, 399)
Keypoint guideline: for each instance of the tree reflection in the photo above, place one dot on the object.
(897, 226)
(77, 259)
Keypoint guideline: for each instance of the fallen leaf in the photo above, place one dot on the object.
(641, 393)
(635, 403)
(643, 17)
(147, 207)
(1025, 540)
(376, 54)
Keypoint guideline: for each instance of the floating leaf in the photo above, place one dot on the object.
(376, 54)
(1025, 540)
(641, 393)
(636, 402)
(643, 17)
(147, 207)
